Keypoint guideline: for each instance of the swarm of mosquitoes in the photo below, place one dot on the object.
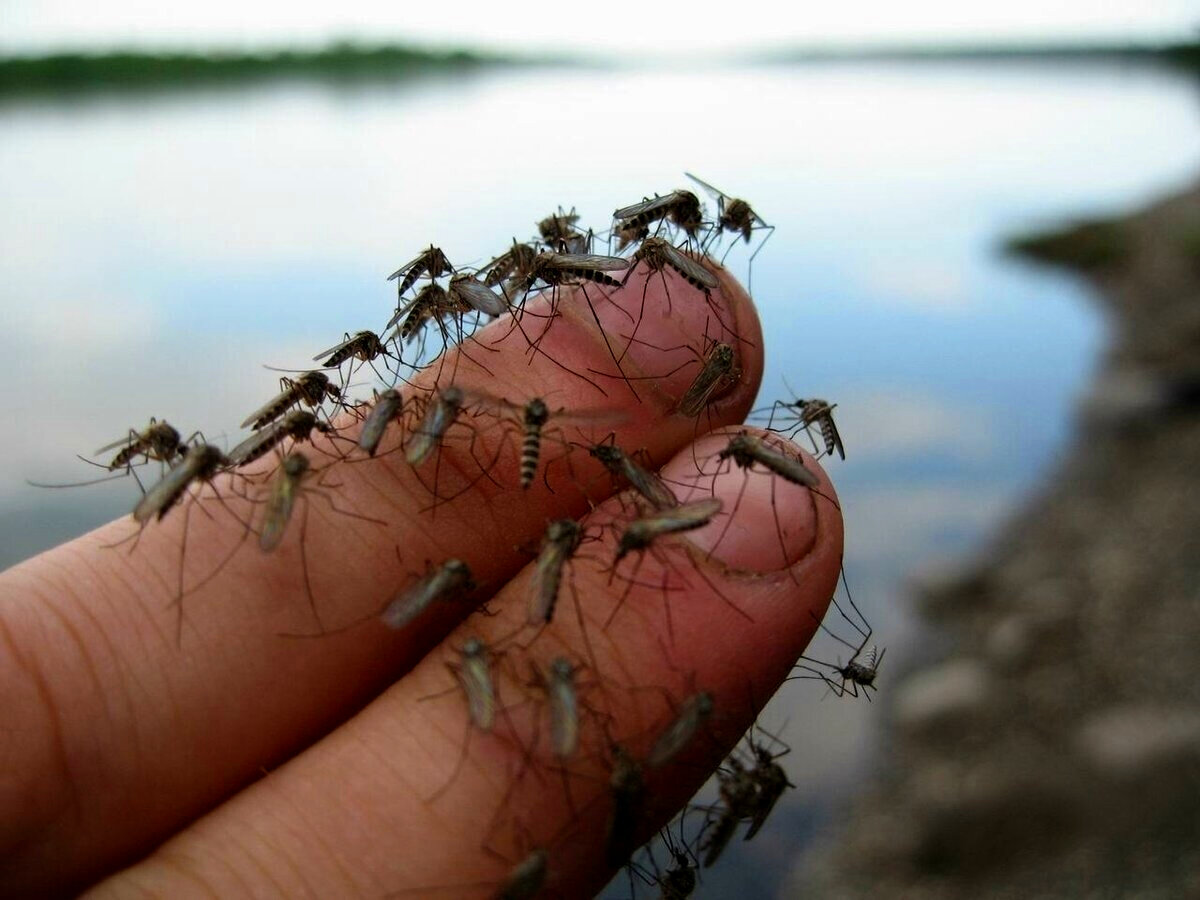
(668, 232)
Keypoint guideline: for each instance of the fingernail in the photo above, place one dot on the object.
(766, 523)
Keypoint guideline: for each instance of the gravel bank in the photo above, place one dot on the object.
(1056, 752)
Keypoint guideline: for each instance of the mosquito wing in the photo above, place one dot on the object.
(338, 348)
(160, 498)
(716, 194)
(689, 267)
(684, 517)
(128, 441)
(269, 410)
(278, 512)
(585, 261)
(427, 258)
(251, 446)
(835, 436)
(478, 296)
(654, 204)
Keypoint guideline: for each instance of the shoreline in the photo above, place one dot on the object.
(71, 72)
(1055, 751)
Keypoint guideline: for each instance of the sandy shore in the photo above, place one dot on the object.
(1056, 751)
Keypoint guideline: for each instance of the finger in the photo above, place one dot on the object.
(117, 721)
(352, 816)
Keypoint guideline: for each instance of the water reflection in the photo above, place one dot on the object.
(157, 249)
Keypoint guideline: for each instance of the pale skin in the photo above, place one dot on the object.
(227, 759)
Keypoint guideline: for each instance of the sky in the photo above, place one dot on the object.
(672, 29)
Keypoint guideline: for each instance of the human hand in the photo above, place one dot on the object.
(236, 761)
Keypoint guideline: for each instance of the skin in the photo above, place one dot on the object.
(157, 752)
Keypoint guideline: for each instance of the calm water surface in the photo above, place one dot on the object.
(155, 250)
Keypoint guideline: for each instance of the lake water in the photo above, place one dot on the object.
(156, 248)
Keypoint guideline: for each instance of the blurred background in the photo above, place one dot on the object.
(191, 192)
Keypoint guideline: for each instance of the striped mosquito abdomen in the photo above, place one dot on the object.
(592, 275)
(536, 416)
(432, 262)
(863, 673)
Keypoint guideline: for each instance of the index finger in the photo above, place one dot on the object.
(116, 722)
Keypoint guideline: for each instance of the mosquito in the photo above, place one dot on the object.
(201, 463)
(158, 441)
(559, 232)
(562, 539)
(298, 425)
(433, 303)
(641, 533)
(442, 411)
(738, 791)
(534, 416)
(855, 673)
(692, 714)
(431, 262)
(364, 346)
(449, 581)
(559, 545)
(737, 217)
(803, 415)
(628, 789)
(679, 207)
(745, 451)
(473, 673)
(679, 881)
(466, 291)
(771, 781)
(718, 374)
(285, 489)
(515, 263)
(559, 269)
(388, 407)
(311, 388)
(861, 671)
(659, 254)
(621, 465)
(430, 303)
